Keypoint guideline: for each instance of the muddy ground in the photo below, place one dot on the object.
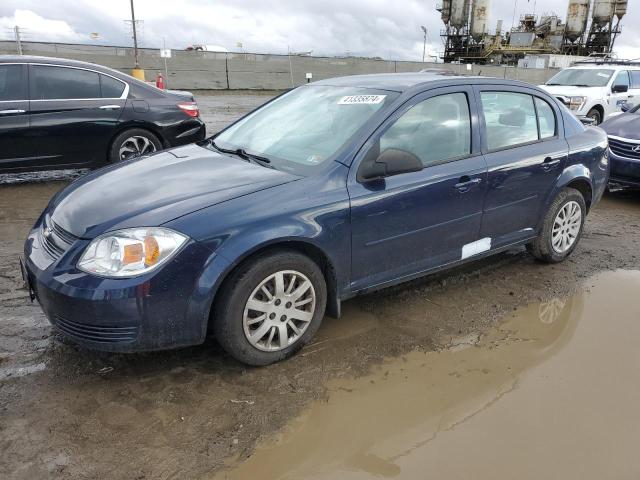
(71, 413)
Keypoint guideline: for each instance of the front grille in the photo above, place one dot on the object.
(54, 239)
(96, 333)
(625, 148)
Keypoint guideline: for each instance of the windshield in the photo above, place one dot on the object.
(306, 127)
(582, 77)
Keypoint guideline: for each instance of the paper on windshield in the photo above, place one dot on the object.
(361, 99)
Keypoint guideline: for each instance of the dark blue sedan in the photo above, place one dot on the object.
(624, 142)
(334, 189)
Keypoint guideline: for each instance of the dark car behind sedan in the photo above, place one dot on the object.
(624, 142)
(57, 113)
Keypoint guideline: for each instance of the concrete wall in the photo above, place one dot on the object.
(209, 70)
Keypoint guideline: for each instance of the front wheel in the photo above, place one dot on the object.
(270, 307)
(595, 115)
(561, 228)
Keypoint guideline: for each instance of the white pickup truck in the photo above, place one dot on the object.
(594, 90)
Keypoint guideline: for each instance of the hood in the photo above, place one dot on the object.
(626, 125)
(570, 91)
(151, 191)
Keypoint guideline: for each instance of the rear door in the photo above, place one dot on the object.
(525, 149)
(16, 147)
(634, 91)
(74, 114)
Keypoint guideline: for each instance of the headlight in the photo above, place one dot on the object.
(130, 252)
(604, 161)
(576, 103)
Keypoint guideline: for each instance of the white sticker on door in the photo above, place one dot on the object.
(474, 248)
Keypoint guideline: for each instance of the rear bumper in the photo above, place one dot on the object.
(189, 131)
(162, 310)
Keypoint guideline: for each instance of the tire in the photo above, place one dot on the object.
(542, 248)
(234, 321)
(595, 115)
(145, 142)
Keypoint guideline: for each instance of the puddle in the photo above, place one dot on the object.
(551, 393)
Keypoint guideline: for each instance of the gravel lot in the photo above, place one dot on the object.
(71, 413)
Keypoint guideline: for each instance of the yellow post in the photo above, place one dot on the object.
(138, 73)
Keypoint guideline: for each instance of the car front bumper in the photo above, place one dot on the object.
(624, 171)
(165, 309)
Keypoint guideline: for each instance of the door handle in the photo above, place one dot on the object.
(9, 112)
(466, 182)
(549, 163)
(109, 107)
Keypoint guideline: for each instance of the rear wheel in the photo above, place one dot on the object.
(133, 143)
(595, 115)
(270, 307)
(562, 227)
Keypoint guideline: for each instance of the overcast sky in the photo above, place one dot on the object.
(384, 28)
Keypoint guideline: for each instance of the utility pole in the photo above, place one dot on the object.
(16, 30)
(135, 37)
(424, 44)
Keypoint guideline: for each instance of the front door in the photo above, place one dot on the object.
(71, 121)
(16, 147)
(406, 224)
(524, 146)
(617, 99)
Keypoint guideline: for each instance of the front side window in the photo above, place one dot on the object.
(510, 119)
(546, 118)
(110, 87)
(622, 79)
(304, 128)
(12, 83)
(434, 130)
(582, 77)
(60, 83)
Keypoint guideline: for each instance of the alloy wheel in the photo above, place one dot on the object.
(135, 146)
(279, 311)
(566, 227)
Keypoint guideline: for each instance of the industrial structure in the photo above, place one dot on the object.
(590, 29)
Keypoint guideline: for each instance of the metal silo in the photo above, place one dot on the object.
(577, 15)
(621, 8)
(479, 18)
(459, 13)
(446, 11)
(603, 11)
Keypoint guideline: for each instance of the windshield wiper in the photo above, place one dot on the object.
(242, 153)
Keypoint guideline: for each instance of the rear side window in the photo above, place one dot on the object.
(546, 119)
(635, 78)
(111, 88)
(12, 83)
(510, 119)
(434, 130)
(60, 83)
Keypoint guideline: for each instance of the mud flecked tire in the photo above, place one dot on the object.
(231, 300)
(541, 248)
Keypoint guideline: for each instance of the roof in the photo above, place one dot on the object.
(401, 82)
(53, 61)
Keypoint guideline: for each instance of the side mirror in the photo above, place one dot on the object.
(626, 106)
(390, 162)
(620, 88)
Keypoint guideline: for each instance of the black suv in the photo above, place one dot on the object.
(57, 113)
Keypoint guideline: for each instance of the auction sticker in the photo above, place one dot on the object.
(362, 99)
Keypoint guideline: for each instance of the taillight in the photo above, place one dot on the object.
(190, 108)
